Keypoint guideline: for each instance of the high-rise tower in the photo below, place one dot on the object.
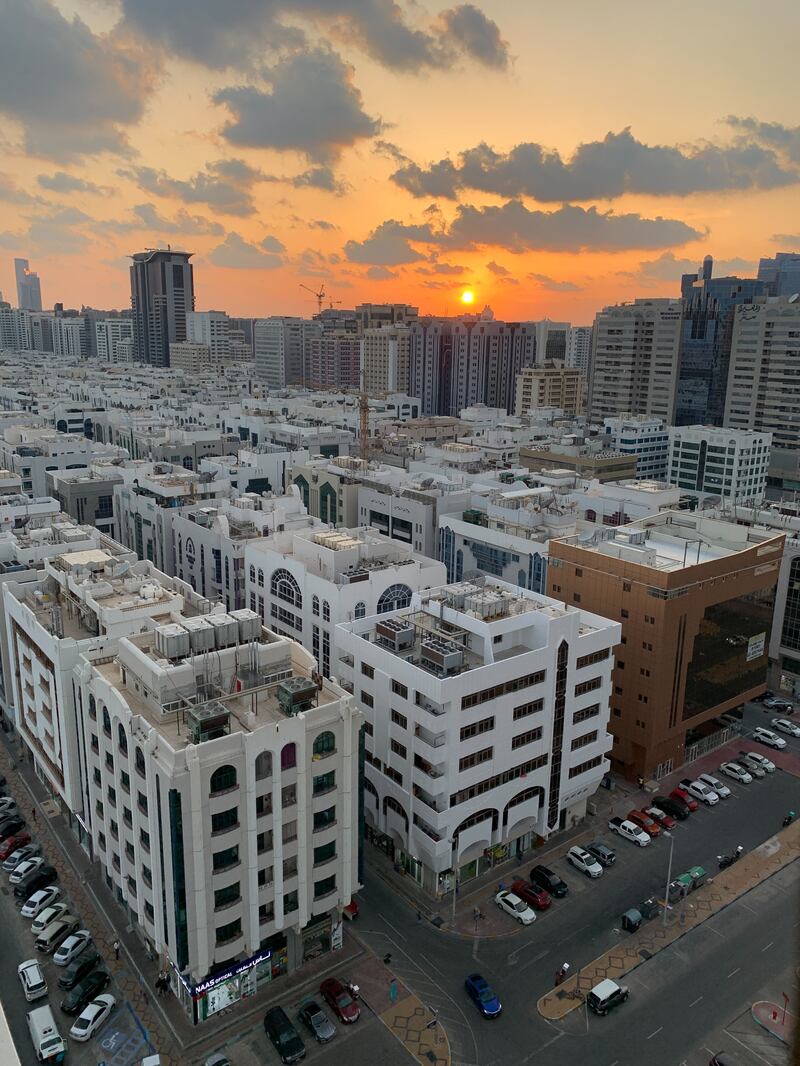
(162, 292)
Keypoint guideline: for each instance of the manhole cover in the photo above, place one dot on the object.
(645, 954)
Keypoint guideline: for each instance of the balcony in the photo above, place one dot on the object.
(427, 829)
(347, 661)
(434, 771)
(436, 803)
(429, 705)
(433, 740)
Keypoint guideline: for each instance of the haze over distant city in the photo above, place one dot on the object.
(549, 158)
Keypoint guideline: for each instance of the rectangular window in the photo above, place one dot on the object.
(224, 820)
(398, 749)
(484, 726)
(576, 771)
(594, 657)
(528, 708)
(588, 686)
(264, 842)
(581, 742)
(325, 853)
(477, 757)
(228, 932)
(400, 719)
(222, 859)
(290, 902)
(366, 699)
(289, 832)
(263, 806)
(522, 739)
(367, 727)
(367, 670)
(392, 774)
(223, 896)
(472, 699)
(325, 887)
(324, 783)
(322, 819)
(399, 690)
(586, 713)
(489, 783)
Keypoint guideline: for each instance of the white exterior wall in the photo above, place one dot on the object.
(733, 463)
(646, 438)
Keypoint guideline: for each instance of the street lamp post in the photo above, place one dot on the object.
(669, 873)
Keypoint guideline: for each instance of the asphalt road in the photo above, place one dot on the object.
(521, 966)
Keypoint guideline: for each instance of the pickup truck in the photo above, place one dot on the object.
(628, 831)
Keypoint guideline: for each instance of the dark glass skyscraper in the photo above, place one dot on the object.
(162, 291)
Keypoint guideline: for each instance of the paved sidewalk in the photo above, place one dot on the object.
(776, 1020)
(774, 854)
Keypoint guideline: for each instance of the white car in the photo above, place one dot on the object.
(92, 1017)
(71, 947)
(25, 851)
(714, 783)
(701, 791)
(27, 866)
(778, 703)
(736, 772)
(756, 761)
(785, 726)
(630, 831)
(584, 862)
(766, 736)
(515, 906)
(48, 915)
(39, 900)
(8, 805)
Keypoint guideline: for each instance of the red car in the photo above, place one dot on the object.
(682, 794)
(12, 843)
(536, 897)
(339, 1000)
(666, 821)
(644, 821)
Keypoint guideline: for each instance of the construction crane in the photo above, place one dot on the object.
(318, 296)
(363, 414)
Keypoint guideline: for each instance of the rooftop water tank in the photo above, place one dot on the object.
(172, 641)
(201, 635)
(249, 624)
(226, 629)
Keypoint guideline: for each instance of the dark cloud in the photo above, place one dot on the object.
(544, 281)
(146, 217)
(11, 193)
(388, 245)
(476, 35)
(442, 268)
(601, 170)
(238, 254)
(668, 267)
(73, 91)
(497, 269)
(380, 273)
(320, 178)
(60, 181)
(321, 223)
(272, 244)
(784, 139)
(61, 231)
(226, 185)
(312, 106)
(788, 239)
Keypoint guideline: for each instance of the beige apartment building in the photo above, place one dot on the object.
(550, 385)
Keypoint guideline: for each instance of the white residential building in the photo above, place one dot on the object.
(33, 452)
(579, 349)
(211, 328)
(733, 463)
(279, 345)
(304, 583)
(108, 334)
(408, 509)
(69, 337)
(486, 710)
(646, 438)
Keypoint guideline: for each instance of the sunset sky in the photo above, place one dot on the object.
(554, 157)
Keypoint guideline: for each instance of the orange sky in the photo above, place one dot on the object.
(134, 116)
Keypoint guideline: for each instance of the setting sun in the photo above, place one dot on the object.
(467, 296)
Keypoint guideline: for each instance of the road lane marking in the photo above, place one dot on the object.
(695, 1002)
(655, 1032)
(746, 907)
(737, 970)
(393, 927)
(747, 1047)
(768, 946)
(713, 930)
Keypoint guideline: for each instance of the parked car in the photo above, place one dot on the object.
(666, 821)
(48, 915)
(285, 1038)
(32, 979)
(516, 907)
(584, 861)
(724, 1058)
(483, 996)
(317, 1022)
(12, 843)
(35, 880)
(602, 852)
(737, 772)
(605, 996)
(768, 694)
(766, 736)
(54, 934)
(700, 791)
(543, 877)
(682, 794)
(535, 896)
(80, 966)
(85, 991)
(40, 900)
(72, 947)
(644, 821)
(783, 725)
(629, 831)
(8, 806)
(92, 1017)
(755, 758)
(674, 808)
(11, 825)
(26, 851)
(25, 867)
(339, 1000)
(778, 703)
(714, 782)
(756, 771)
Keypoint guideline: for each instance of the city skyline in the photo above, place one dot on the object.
(280, 153)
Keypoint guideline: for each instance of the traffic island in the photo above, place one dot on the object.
(779, 1021)
(706, 901)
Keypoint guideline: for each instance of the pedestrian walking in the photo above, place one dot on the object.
(116, 950)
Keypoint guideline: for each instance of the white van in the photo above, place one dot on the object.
(50, 937)
(46, 1040)
(32, 980)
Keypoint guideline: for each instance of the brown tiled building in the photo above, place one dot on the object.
(694, 596)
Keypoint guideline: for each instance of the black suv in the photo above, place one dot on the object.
(675, 808)
(284, 1036)
(550, 882)
(11, 824)
(80, 967)
(85, 991)
(33, 881)
(602, 852)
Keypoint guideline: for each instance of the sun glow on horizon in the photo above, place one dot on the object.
(467, 296)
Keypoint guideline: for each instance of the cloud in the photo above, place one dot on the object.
(146, 217)
(321, 223)
(600, 170)
(226, 185)
(442, 268)
(272, 244)
(380, 273)
(240, 31)
(13, 194)
(237, 254)
(11, 240)
(319, 178)
(60, 181)
(476, 35)
(551, 285)
(569, 229)
(497, 269)
(73, 91)
(668, 267)
(62, 231)
(792, 239)
(388, 244)
(784, 139)
(312, 106)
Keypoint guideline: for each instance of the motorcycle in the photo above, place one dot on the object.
(788, 819)
(728, 860)
(353, 989)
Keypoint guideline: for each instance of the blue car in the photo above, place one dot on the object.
(482, 996)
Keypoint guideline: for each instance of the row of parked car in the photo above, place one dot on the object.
(56, 932)
(342, 1001)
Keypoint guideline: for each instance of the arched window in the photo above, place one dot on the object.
(327, 504)
(263, 765)
(288, 756)
(326, 611)
(252, 575)
(284, 586)
(521, 579)
(92, 707)
(106, 722)
(325, 744)
(360, 609)
(123, 741)
(190, 552)
(394, 598)
(223, 778)
(315, 605)
(139, 762)
(302, 485)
